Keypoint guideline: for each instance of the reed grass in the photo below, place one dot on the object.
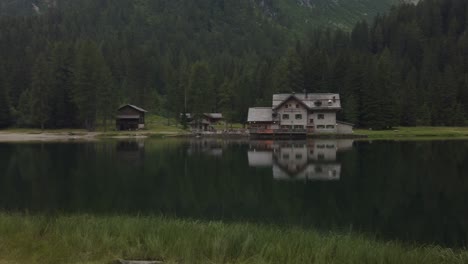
(103, 239)
(416, 133)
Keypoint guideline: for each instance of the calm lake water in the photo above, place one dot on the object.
(408, 191)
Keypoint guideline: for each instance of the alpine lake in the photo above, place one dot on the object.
(406, 191)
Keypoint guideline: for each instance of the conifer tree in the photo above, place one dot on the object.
(201, 88)
(63, 109)
(295, 72)
(86, 83)
(5, 110)
(41, 92)
(106, 100)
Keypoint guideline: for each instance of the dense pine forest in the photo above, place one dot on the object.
(73, 63)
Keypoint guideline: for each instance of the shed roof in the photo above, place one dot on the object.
(134, 107)
(214, 115)
(128, 117)
(345, 123)
(260, 114)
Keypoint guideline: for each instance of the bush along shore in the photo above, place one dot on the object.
(104, 239)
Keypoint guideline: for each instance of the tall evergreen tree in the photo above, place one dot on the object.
(5, 108)
(41, 92)
(63, 109)
(87, 75)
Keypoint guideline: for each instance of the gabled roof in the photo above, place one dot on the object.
(293, 97)
(310, 100)
(134, 107)
(260, 114)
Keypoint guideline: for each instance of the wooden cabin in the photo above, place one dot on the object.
(130, 117)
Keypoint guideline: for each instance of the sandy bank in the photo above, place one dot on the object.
(46, 136)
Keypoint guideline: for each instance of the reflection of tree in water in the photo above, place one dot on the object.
(213, 147)
(403, 190)
(299, 160)
(132, 151)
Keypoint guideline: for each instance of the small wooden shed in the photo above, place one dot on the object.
(130, 117)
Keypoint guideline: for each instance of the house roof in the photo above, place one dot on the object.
(260, 114)
(139, 109)
(326, 100)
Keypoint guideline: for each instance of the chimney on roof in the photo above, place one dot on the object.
(305, 92)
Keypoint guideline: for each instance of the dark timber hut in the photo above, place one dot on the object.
(130, 117)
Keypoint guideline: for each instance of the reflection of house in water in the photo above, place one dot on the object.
(299, 160)
(206, 146)
(131, 151)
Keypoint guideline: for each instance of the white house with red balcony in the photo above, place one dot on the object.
(299, 115)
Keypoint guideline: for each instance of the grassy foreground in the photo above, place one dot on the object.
(91, 239)
(415, 132)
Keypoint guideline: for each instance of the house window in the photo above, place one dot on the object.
(320, 127)
(298, 127)
(298, 156)
(298, 116)
(285, 156)
(286, 106)
(321, 116)
(297, 105)
(285, 116)
(318, 103)
(330, 126)
(311, 121)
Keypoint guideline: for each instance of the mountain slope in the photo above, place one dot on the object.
(293, 14)
(337, 13)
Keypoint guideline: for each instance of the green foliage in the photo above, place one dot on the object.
(408, 67)
(88, 239)
(5, 110)
(40, 92)
(201, 91)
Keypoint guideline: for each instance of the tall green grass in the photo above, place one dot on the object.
(416, 133)
(100, 239)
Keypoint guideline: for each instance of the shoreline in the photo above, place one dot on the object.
(65, 135)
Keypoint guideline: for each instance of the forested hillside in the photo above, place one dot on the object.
(294, 14)
(73, 64)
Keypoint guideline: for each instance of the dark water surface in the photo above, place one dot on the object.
(409, 191)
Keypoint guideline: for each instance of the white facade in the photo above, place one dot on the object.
(295, 114)
(299, 114)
